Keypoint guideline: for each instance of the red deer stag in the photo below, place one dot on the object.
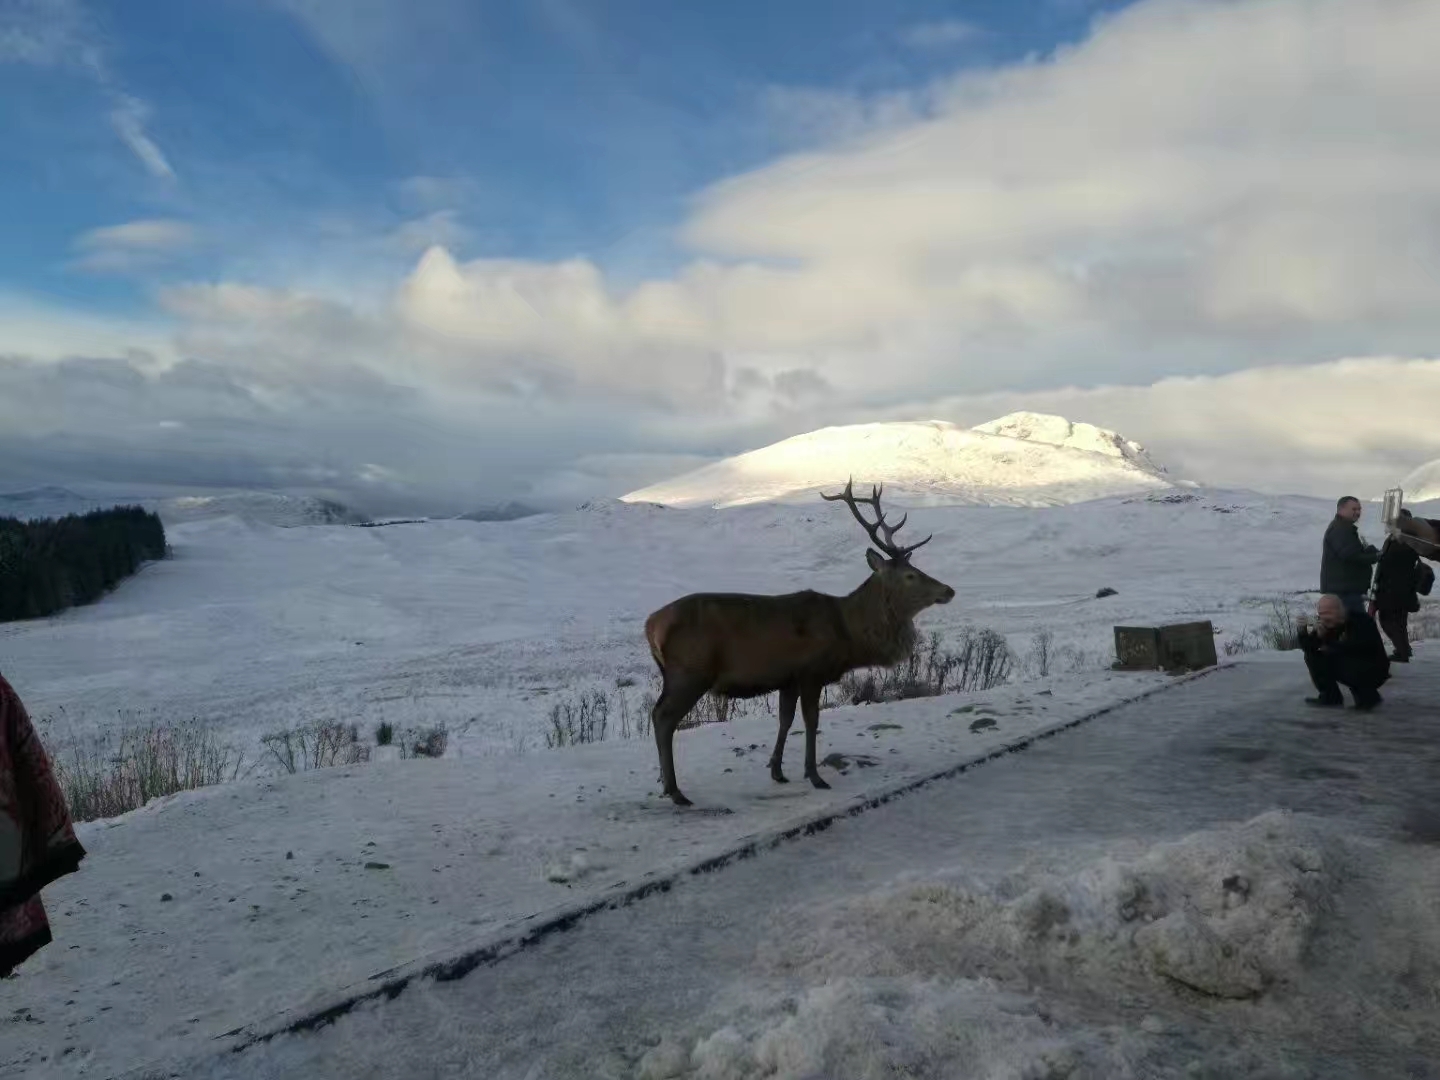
(1422, 534)
(741, 645)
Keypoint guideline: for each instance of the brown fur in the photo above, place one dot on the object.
(1424, 533)
(745, 645)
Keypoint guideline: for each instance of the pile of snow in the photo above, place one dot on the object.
(1024, 459)
(1098, 973)
(1228, 913)
(257, 507)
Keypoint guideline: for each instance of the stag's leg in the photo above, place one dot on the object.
(810, 711)
(674, 704)
(788, 698)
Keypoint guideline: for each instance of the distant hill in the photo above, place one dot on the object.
(510, 511)
(261, 507)
(46, 502)
(1023, 459)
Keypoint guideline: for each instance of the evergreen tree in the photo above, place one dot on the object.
(52, 564)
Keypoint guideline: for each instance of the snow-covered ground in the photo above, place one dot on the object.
(218, 908)
(1213, 883)
(484, 626)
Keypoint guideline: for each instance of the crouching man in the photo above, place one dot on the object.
(1345, 648)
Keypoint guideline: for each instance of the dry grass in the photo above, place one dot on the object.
(123, 769)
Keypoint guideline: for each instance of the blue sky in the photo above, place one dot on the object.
(560, 127)
(423, 253)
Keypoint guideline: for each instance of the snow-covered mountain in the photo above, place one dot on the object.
(45, 502)
(261, 507)
(1023, 459)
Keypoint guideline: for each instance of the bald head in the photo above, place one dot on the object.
(1330, 612)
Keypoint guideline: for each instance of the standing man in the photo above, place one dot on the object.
(1396, 577)
(1344, 649)
(1346, 560)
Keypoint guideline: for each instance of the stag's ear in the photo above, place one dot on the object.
(874, 559)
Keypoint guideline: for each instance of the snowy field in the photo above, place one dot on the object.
(484, 626)
(1212, 883)
(222, 908)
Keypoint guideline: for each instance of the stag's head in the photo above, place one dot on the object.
(910, 591)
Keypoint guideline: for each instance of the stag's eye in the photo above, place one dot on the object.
(910, 576)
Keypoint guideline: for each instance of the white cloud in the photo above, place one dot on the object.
(47, 33)
(1349, 425)
(128, 118)
(61, 34)
(940, 34)
(133, 245)
(440, 228)
(1195, 189)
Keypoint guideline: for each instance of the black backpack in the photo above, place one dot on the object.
(1424, 578)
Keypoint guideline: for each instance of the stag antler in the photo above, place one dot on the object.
(887, 543)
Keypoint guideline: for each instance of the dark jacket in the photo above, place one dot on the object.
(1345, 561)
(1395, 577)
(1357, 647)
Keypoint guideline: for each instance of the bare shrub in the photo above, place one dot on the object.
(385, 733)
(579, 720)
(122, 770)
(316, 746)
(1040, 652)
(1077, 660)
(638, 724)
(983, 660)
(716, 708)
(1280, 630)
(426, 742)
(1425, 623)
(1248, 640)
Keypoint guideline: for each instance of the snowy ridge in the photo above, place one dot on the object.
(1024, 459)
(1057, 431)
(257, 507)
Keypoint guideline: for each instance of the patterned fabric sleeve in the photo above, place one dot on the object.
(37, 838)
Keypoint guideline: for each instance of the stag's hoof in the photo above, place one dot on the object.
(778, 776)
(679, 799)
(814, 778)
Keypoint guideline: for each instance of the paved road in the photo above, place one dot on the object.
(1221, 749)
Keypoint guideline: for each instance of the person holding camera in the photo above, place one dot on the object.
(1346, 560)
(1343, 648)
(1400, 578)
